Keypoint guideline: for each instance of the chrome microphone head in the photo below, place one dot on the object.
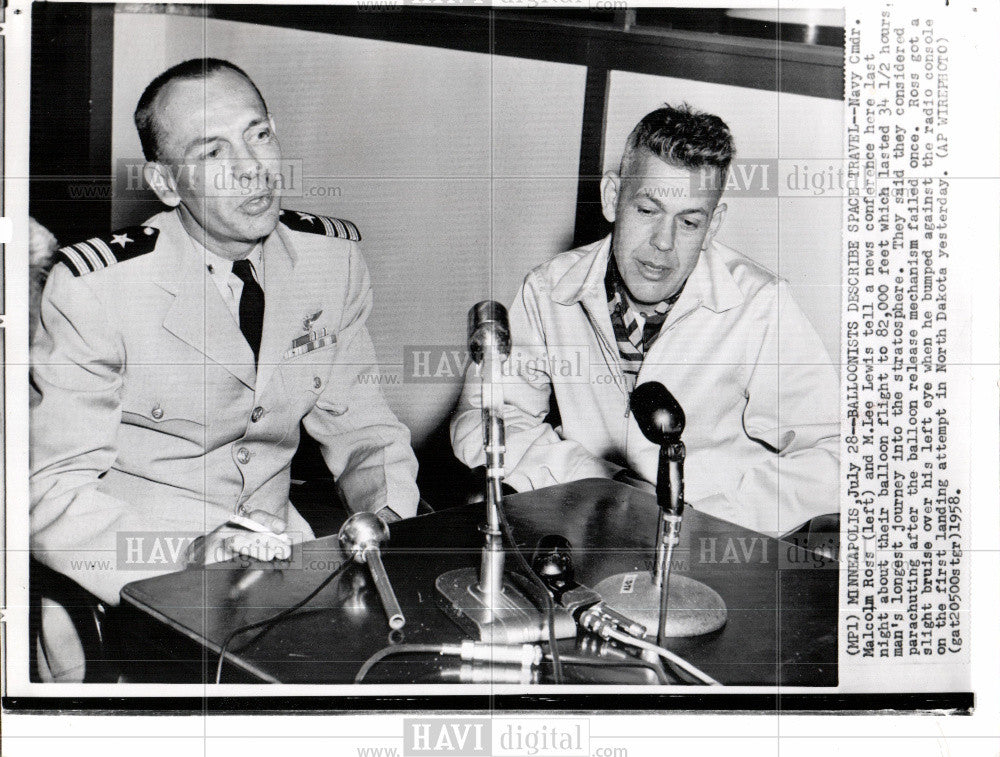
(488, 326)
(362, 532)
(658, 413)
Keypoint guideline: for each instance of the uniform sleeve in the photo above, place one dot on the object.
(363, 443)
(77, 362)
(536, 456)
(793, 409)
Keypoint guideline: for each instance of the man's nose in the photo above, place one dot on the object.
(663, 237)
(246, 162)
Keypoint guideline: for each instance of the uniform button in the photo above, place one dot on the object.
(157, 412)
(317, 382)
(242, 510)
(256, 414)
(243, 456)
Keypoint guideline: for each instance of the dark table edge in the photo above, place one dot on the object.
(207, 644)
(127, 594)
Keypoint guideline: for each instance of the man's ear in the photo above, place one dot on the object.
(610, 186)
(715, 224)
(162, 181)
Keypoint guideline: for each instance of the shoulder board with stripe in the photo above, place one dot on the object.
(313, 223)
(102, 252)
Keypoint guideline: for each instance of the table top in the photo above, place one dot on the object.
(781, 600)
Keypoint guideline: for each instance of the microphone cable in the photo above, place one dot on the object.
(273, 620)
(550, 607)
(506, 655)
(680, 662)
(375, 659)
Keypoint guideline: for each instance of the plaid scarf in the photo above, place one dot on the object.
(634, 340)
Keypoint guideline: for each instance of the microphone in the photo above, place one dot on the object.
(661, 419)
(553, 563)
(360, 537)
(658, 413)
(486, 603)
(489, 327)
(695, 608)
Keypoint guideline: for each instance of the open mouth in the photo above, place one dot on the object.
(258, 203)
(652, 271)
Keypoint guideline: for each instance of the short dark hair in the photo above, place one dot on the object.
(682, 137)
(195, 68)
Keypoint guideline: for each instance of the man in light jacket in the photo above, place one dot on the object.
(660, 300)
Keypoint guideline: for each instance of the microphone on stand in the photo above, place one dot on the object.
(553, 563)
(360, 537)
(489, 329)
(485, 604)
(693, 607)
(661, 420)
(489, 347)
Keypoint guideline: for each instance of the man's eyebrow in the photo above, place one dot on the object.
(257, 122)
(199, 141)
(651, 196)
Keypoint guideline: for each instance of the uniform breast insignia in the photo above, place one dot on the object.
(310, 319)
(102, 252)
(312, 223)
(312, 339)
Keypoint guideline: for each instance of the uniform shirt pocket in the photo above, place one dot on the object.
(172, 400)
(310, 372)
(333, 408)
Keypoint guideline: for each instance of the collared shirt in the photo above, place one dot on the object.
(221, 271)
(634, 332)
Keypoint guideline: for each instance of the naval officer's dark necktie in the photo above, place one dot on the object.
(251, 306)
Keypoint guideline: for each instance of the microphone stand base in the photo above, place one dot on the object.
(693, 608)
(512, 619)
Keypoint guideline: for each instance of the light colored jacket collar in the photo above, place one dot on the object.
(710, 284)
(180, 270)
(178, 255)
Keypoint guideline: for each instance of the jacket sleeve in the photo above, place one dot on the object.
(77, 362)
(536, 455)
(363, 443)
(792, 408)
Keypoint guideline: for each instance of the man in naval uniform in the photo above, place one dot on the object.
(175, 360)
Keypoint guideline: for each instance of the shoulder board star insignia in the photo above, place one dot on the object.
(311, 223)
(102, 252)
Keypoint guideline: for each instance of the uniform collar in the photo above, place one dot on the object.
(220, 267)
(182, 260)
(181, 271)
